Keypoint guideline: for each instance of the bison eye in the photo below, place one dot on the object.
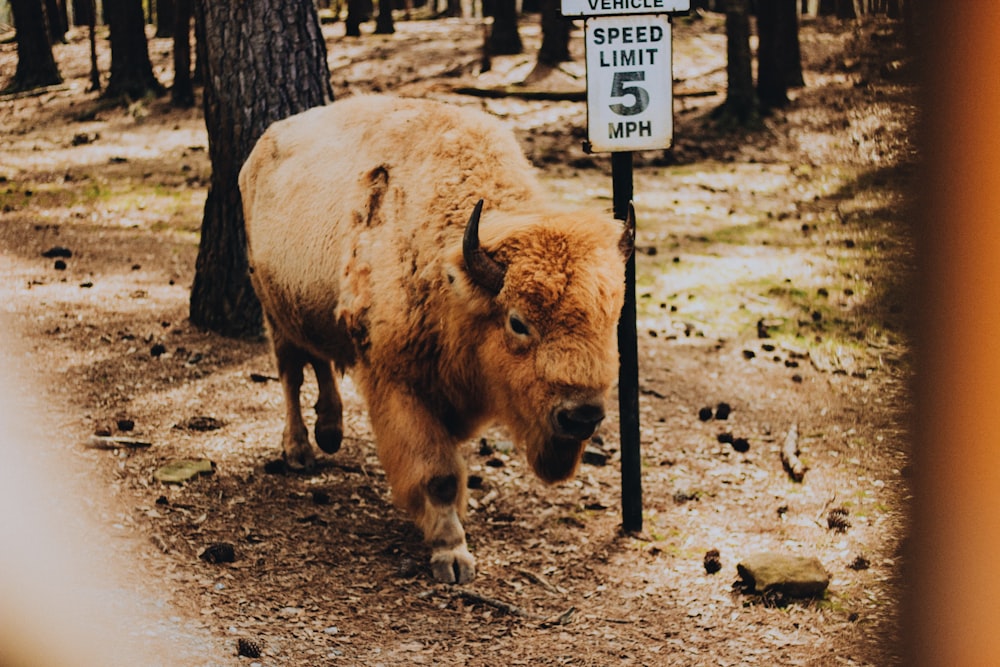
(518, 327)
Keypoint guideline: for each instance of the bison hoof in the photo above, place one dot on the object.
(300, 459)
(329, 438)
(453, 566)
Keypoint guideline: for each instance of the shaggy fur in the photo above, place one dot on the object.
(355, 214)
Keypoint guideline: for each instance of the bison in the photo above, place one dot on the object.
(409, 242)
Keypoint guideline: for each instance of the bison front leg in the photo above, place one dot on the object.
(428, 480)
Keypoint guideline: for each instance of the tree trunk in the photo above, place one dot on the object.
(555, 35)
(131, 70)
(264, 60)
(166, 19)
(778, 47)
(182, 92)
(95, 72)
(384, 24)
(504, 38)
(83, 10)
(358, 11)
(741, 100)
(55, 11)
(36, 67)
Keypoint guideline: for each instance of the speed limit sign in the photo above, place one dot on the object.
(629, 86)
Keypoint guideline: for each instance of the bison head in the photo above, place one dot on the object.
(553, 286)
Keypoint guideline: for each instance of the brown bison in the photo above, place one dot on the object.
(408, 241)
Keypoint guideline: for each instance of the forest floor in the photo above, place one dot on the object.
(773, 271)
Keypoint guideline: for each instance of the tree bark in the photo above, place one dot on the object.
(36, 67)
(264, 60)
(778, 58)
(166, 18)
(741, 100)
(55, 11)
(555, 35)
(182, 92)
(504, 37)
(358, 11)
(95, 72)
(384, 24)
(83, 11)
(131, 70)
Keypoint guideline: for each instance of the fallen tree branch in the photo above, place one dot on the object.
(790, 455)
(523, 93)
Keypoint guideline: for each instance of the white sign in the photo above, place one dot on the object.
(617, 7)
(629, 84)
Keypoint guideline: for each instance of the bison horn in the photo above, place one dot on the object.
(626, 244)
(483, 269)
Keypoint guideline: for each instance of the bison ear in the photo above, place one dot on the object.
(483, 270)
(626, 244)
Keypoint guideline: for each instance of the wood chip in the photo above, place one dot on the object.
(790, 455)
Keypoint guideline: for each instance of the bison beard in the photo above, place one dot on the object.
(374, 251)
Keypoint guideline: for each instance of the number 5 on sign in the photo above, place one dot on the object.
(629, 87)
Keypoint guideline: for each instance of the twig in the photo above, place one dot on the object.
(116, 442)
(790, 455)
(505, 607)
(540, 580)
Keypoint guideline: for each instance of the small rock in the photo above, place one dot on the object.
(705, 414)
(712, 561)
(177, 472)
(722, 411)
(158, 350)
(749, 354)
(126, 425)
(59, 265)
(474, 482)
(220, 552)
(794, 576)
(495, 463)
(320, 497)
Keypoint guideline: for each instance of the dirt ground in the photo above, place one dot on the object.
(773, 270)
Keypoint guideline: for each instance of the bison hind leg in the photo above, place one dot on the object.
(329, 408)
(295, 440)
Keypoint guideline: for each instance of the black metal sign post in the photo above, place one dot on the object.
(629, 108)
(628, 354)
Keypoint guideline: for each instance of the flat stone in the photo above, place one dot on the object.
(795, 576)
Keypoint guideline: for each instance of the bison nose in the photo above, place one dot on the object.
(579, 421)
